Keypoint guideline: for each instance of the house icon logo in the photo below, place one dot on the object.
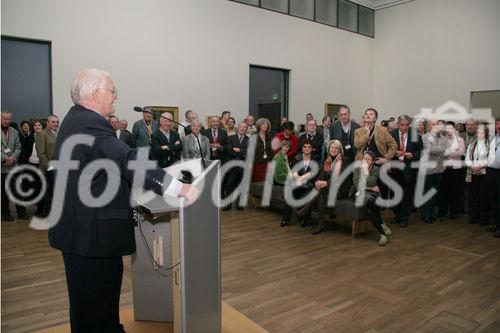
(453, 111)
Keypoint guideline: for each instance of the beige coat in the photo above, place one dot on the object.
(45, 142)
(386, 144)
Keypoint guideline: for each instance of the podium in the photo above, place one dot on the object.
(176, 269)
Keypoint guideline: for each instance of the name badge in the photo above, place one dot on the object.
(401, 158)
(6, 151)
(348, 147)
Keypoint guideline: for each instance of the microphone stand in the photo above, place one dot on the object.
(197, 140)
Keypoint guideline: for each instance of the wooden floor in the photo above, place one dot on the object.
(429, 278)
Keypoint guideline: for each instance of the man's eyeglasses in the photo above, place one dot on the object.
(114, 91)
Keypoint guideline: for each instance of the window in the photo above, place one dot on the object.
(342, 14)
(302, 8)
(348, 15)
(326, 11)
(366, 21)
(250, 2)
(277, 5)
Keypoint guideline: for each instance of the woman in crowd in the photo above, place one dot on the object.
(230, 129)
(332, 168)
(36, 126)
(368, 191)
(190, 149)
(282, 175)
(27, 139)
(263, 151)
(477, 160)
(224, 118)
(421, 127)
(304, 179)
(450, 183)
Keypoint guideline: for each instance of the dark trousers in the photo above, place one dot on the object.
(231, 181)
(448, 192)
(5, 199)
(297, 193)
(94, 286)
(403, 208)
(374, 214)
(428, 208)
(493, 181)
(478, 199)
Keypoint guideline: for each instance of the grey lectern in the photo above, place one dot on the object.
(189, 239)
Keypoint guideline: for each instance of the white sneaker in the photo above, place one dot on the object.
(387, 230)
(383, 240)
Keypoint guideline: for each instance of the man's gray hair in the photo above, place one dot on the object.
(404, 117)
(86, 82)
(167, 115)
(52, 116)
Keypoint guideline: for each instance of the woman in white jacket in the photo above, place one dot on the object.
(476, 161)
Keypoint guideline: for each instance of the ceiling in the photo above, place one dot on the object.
(379, 4)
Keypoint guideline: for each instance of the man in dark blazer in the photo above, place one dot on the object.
(409, 150)
(166, 145)
(343, 130)
(217, 138)
(123, 134)
(94, 239)
(315, 138)
(236, 149)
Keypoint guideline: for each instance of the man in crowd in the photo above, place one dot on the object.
(236, 149)
(45, 143)
(124, 125)
(493, 179)
(122, 134)
(217, 138)
(11, 149)
(250, 121)
(343, 130)
(192, 117)
(316, 139)
(185, 123)
(166, 145)
(94, 239)
(143, 128)
(408, 151)
(375, 139)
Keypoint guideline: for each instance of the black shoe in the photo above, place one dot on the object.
(240, 208)
(22, 216)
(284, 223)
(497, 233)
(472, 222)
(226, 208)
(7, 218)
(317, 231)
(452, 217)
(483, 224)
(403, 224)
(491, 228)
(303, 223)
(428, 221)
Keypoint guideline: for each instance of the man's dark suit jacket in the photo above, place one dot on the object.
(336, 134)
(233, 142)
(165, 157)
(106, 231)
(126, 137)
(221, 139)
(317, 144)
(414, 147)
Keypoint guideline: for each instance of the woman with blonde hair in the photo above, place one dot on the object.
(332, 168)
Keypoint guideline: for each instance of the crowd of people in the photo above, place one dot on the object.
(463, 159)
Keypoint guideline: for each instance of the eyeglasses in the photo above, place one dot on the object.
(114, 91)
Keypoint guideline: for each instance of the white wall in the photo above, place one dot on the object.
(430, 51)
(194, 54)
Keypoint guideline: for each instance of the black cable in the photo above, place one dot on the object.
(139, 222)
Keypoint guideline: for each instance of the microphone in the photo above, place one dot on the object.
(139, 109)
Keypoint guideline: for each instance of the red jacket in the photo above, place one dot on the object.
(294, 144)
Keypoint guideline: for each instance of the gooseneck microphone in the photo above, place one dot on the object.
(139, 109)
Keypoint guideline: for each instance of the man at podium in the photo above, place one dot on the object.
(93, 239)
